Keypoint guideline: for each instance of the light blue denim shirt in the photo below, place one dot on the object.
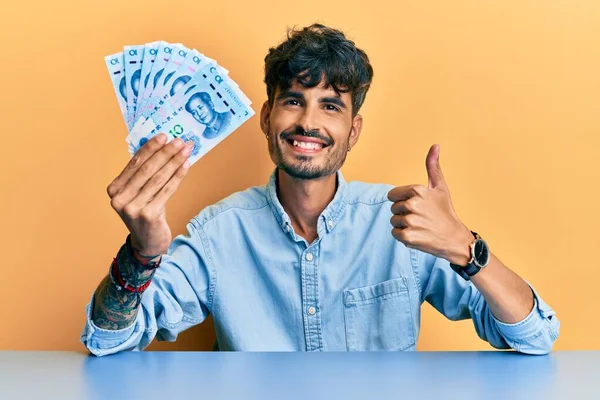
(354, 288)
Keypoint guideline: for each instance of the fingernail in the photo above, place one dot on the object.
(162, 138)
(186, 164)
(178, 142)
(189, 144)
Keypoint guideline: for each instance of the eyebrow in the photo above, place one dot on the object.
(290, 93)
(297, 95)
(333, 100)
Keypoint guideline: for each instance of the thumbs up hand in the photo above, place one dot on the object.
(424, 218)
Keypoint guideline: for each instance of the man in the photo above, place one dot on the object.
(306, 262)
(203, 110)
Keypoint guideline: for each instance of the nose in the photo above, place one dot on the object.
(307, 119)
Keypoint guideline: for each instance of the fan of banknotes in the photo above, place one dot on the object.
(168, 88)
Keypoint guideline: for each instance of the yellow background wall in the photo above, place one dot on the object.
(509, 89)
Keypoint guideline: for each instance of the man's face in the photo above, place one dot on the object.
(201, 111)
(310, 130)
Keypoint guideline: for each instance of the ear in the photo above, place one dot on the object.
(357, 122)
(265, 113)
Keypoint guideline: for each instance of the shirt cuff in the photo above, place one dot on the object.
(533, 325)
(99, 340)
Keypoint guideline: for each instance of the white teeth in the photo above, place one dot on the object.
(308, 145)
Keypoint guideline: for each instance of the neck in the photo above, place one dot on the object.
(305, 200)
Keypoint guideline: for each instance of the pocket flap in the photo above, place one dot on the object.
(368, 294)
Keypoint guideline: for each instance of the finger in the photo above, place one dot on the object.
(138, 159)
(400, 208)
(169, 188)
(399, 221)
(148, 169)
(402, 193)
(160, 179)
(397, 234)
(406, 236)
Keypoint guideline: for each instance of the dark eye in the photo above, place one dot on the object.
(293, 102)
(331, 107)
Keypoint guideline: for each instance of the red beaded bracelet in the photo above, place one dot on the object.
(120, 283)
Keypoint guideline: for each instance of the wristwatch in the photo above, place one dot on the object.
(480, 257)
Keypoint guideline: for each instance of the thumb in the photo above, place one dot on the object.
(434, 170)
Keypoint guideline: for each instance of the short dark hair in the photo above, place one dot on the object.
(315, 53)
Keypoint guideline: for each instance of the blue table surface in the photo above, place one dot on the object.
(180, 375)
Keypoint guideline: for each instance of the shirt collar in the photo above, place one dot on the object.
(328, 218)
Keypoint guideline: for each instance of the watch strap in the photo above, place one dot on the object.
(466, 272)
(471, 269)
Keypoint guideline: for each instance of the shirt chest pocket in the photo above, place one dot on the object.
(379, 317)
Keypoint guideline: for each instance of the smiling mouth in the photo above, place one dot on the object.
(305, 147)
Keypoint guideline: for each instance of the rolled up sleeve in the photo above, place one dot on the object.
(536, 333)
(458, 299)
(101, 342)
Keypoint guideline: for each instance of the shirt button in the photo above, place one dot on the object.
(309, 257)
(312, 310)
(287, 228)
(330, 223)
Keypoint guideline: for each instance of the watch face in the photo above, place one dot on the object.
(482, 253)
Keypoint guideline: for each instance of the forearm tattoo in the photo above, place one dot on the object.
(114, 309)
(117, 309)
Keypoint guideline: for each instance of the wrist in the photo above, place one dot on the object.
(136, 283)
(129, 266)
(460, 254)
(147, 260)
(128, 275)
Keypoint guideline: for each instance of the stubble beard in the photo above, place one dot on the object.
(305, 167)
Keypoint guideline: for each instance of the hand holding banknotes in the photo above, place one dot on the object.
(140, 193)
